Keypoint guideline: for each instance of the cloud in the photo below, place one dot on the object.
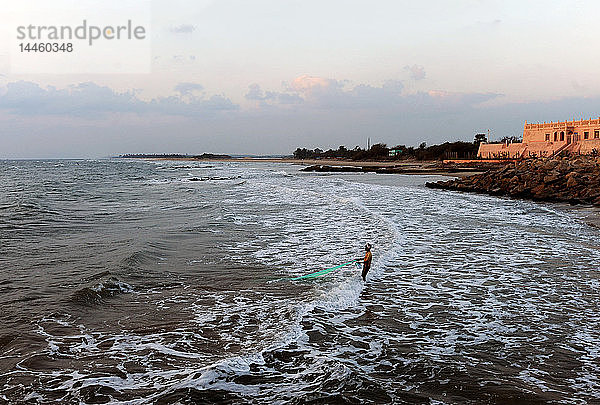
(417, 72)
(430, 117)
(89, 100)
(301, 94)
(89, 120)
(307, 84)
(187, 88)
(289, 99)
(317, 93)
(308, 111)
(183, 29)
(27, 98)
(195, 108)
(255, 93)
(302, 89)
(447, 97)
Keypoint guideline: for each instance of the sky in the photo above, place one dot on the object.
(267, 76)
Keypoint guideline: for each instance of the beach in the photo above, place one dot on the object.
(459, 169)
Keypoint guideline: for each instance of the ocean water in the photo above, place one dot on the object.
(169, 282)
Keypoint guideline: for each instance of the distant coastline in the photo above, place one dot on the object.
(172, 156)
(413, 167)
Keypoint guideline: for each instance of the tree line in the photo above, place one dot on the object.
(380, 151)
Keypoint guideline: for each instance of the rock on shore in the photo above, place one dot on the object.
(572, 180)
(421, 168)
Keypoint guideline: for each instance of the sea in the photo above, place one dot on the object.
(171, 282)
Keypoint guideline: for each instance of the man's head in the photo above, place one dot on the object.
(368, 247)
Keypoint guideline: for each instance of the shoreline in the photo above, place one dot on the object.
(308, 162)
(588, 213)
(446, 168)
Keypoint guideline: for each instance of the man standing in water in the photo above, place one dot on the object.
(366, 261)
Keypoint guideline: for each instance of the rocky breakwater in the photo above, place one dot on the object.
(415, 168)
(572, 180)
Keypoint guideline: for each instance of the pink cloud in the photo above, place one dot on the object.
(308, 84)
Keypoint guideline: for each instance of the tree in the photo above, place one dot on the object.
(378, 150)
(479, 138)
(510, 139)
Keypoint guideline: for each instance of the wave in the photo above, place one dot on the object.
(6, 340)
(26, 209)
(142, 258)
(98, 293)
(195, 396)
(213, 178)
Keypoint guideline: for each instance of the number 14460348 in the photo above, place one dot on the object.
(46, 47)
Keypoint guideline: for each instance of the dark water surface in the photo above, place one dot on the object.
(168, 282)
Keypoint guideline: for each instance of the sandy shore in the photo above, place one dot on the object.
(358, 163)
(407, 167)
(307, 162)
